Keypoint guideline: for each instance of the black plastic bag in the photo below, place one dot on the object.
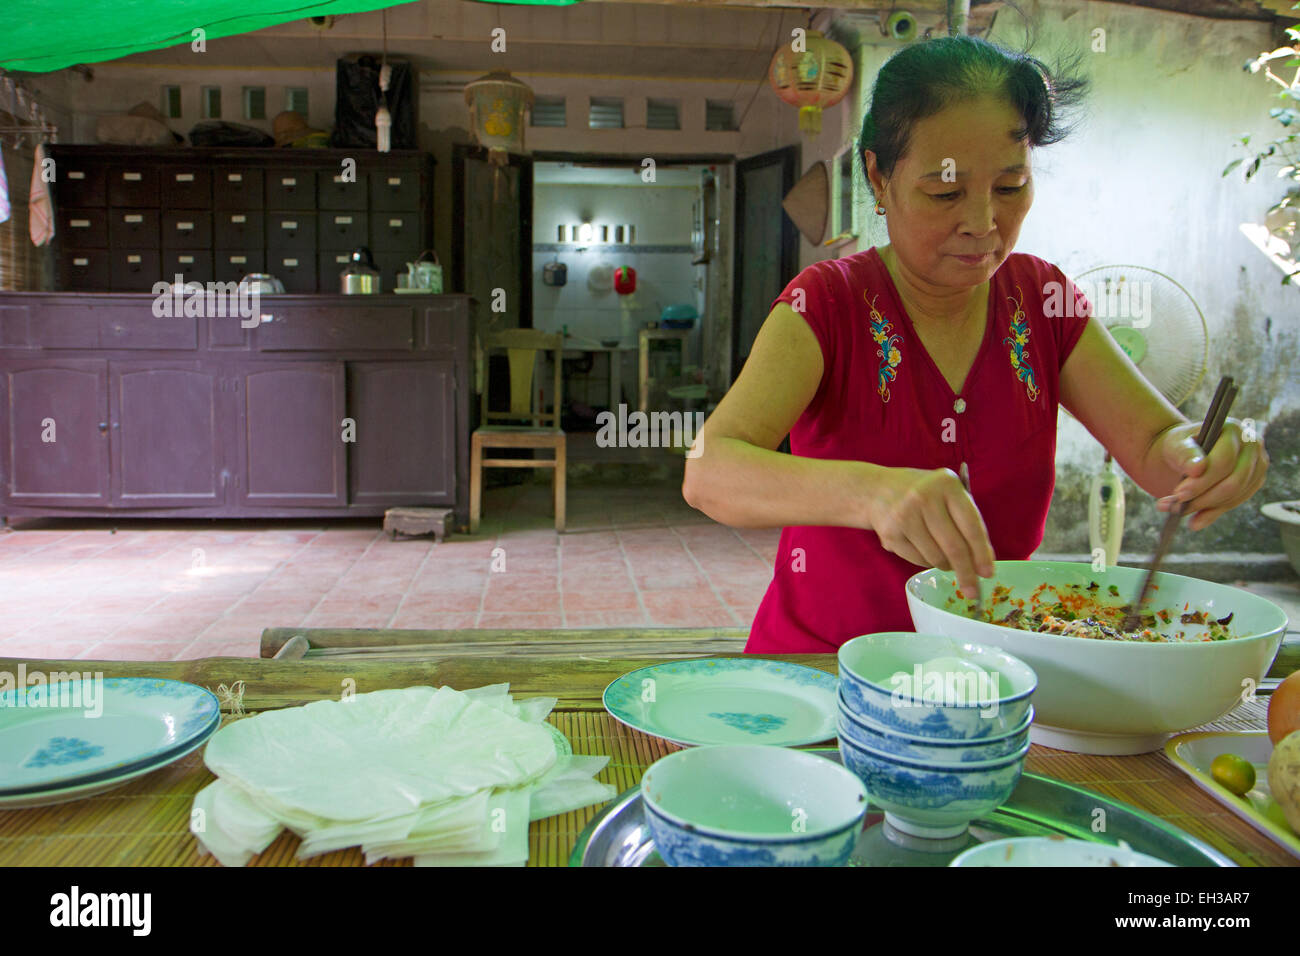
(358, 97)
(219, 133)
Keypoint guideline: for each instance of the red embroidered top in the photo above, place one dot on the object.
(883, 400)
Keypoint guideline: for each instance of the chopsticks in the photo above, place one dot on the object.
(1215, 416)
(964, 474)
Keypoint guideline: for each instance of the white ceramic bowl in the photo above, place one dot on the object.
(929, 799)
(1115, 697)
(1050, 851)
(960, 707)
(752, 805)
(873, 736)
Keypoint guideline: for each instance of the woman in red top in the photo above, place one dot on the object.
(891, 368)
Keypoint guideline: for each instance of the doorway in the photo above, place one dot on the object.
(766, 244)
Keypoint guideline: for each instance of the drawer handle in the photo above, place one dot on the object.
(187, 260)
(394, 180)
(342, 220)
(134, 220)
(339, 179)
(395, 223)
(235, 177)
(103, 426)
(185, 226)
(291, 263)
(133, 260)
(81, 262)
(131, 177)
(185, 177)
(288, 225)
(238, 260)
(235, 219)
(289, 181)
(76, 174)
(80, 223)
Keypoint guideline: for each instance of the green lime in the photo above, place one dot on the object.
(1235, 773)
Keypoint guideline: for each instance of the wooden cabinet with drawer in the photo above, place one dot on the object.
(291, 189)
(238, 187)
(288, 212)
(133, 228)
(187, 187)
(83, 228)
(187, 229)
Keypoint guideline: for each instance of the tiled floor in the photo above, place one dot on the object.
(634, 555)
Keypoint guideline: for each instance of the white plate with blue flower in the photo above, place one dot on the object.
(69, 734)
(727, 701)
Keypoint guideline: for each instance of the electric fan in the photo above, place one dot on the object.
(1162, 330)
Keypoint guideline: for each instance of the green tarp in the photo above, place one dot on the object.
(43, 35)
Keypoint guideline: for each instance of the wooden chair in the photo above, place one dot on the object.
(521, 346)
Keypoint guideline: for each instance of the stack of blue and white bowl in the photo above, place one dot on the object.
(936, 729)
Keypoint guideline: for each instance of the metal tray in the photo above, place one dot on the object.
(1040, 806)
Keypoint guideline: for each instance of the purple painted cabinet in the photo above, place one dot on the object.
(165, 434)
(398, 456)
(291, 448)
(55, 432)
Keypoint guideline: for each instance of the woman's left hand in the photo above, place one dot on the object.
(1234, 470)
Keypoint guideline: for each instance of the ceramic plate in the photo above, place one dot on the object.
(73, 733)
(1193, 754)
(727, 701)
(103, 783)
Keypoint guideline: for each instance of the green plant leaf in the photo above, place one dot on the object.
(1230, 167)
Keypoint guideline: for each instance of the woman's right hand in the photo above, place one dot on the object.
(928, 518)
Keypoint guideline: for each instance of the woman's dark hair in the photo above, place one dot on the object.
(929, 76)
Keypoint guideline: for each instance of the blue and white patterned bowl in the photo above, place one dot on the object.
(752, 805)
(867, 733)
(933, 800)
(944, 704)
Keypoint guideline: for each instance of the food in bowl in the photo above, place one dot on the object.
(909, 683)
(1107, 696)
(1077, 610)
(752, 805)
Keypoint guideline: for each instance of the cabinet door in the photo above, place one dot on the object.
(291, 450)
(405, 447)
(55, 432)
(166, 443)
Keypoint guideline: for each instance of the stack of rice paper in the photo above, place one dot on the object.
(444, 776)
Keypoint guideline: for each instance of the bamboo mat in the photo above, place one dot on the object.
(146, 822)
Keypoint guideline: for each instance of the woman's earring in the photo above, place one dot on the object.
(880, 210)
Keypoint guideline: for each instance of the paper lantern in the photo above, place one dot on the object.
(497, 103)
(813, 79)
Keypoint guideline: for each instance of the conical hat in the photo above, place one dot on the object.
(808, 203)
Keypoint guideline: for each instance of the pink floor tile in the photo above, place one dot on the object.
(519, 621)
(421, 619)
(695, 617)
(444, 602)
(670, 598)
(520, 602)
(593, 619)
(600, 600)
(126, 651)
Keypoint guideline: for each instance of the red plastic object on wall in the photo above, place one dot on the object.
(624, 280)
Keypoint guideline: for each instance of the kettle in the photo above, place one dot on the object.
(360, 277)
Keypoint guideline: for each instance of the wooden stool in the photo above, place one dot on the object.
(414, 521)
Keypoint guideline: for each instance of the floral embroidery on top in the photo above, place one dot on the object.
(882, 330)
(1019, 342)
